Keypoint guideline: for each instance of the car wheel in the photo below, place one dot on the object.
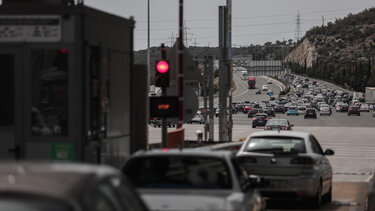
(320, 114)
(316, 202)
(254, 126)
(328, 196)
(315, 117)
(304, 117)
(359, 114)
(287, 114)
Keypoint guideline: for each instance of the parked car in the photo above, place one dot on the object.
(293, 162)
(354, 110)
(278, 124)
(292, 111)
(192, 180)
(65, 187)
(310, 112)
(259, 120)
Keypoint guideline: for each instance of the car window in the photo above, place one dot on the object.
(179, 172)
(275, 145)
(105, 199)
(17, 202)
(315, 146)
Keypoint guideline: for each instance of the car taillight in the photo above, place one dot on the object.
(357, 109)
(350, 110)
(284, 128)
(255, 119)
(248, 159)
(302, 161)
(265, 119)
(267, 128)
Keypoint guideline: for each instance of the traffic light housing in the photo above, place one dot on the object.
(162, 73)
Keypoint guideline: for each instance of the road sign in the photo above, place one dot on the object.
(163, 106)
(270, 94)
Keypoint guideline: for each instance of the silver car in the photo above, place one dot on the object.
(192, 180)
(324, 110)
(293, 162)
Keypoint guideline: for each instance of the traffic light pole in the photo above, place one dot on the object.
(180, 74)
(164, 131)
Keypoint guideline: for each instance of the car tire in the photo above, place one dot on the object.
(315, 117)
(287, 114)
(328, 196)
(254, 126)
(316, 202)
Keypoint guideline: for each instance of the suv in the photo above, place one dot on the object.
(259, 120)
(354, 110)
(310, 112)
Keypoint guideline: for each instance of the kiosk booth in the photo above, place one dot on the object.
(67, 83)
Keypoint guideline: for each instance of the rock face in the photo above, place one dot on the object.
(304, 52)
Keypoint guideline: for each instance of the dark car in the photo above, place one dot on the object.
(310, 112)
(344, 108)
(252, 112)
(279, 109)
(278, 124)
(354, 110)
(258, 92)
(260, 120)
(269, 111)
(65, 187)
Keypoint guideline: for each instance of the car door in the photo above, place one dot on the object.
(324, 165)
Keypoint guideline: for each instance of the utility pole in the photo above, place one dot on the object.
(148, 46)
(223, 75)
(211, 97)
(322, 20)
(180, 74)
(205, 87)
(229, 60)
(297, 34)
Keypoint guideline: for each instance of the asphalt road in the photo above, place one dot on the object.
(351, 137)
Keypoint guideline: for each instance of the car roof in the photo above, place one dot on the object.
(59, 180)
(184, 152)
(284, 133)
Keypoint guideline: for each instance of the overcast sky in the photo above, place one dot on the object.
(254, 21)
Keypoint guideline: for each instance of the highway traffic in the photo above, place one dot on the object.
(351, 138)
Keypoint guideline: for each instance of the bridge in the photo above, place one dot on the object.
(266, 68)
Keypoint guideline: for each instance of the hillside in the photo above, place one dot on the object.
(342, 52)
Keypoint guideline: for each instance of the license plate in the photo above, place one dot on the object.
(260, 121)
(279, 184)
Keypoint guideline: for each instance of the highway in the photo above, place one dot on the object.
(351, 137)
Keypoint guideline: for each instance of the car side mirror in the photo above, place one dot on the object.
(329, 152)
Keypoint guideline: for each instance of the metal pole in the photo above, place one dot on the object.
(211, 97)
(205, 76)
(148, 45)
(181, 66)
(164, 125)
(229, 59)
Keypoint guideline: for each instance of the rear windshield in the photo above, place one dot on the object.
(273, 145)
(179, 172)
(13, 202)
(277, 122)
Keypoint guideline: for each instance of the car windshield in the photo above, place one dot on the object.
(277, 122)
(179, 172)
(275, 145)
(11, 202)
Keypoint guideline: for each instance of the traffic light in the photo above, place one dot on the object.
(162, 73)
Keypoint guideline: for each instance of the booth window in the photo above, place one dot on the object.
(49, 112)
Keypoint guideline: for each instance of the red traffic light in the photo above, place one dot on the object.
(162, 66)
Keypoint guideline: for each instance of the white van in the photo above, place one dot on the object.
(244, 75)
(265, 88)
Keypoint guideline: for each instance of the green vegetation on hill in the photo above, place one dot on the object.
(345, 51)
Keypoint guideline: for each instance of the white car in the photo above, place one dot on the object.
(324, 110)
(193, 179)
(197, 118)
(293, 162)
(265, 88)
(301, 109)
(365, 107)
(269, 82)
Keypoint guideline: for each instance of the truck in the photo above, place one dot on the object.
(370, 94)
(251, 82)
(243, 75)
